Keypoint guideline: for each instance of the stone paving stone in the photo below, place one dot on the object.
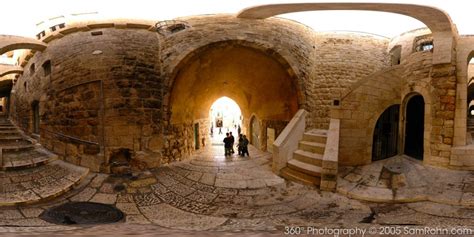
(171, 217)
(227, 183)
(166, 180)
(274, 181)
(128, 208)
(447, 196)
(203, 187)
(107, 188)
(279, 209)
(98, 180)
(182, 189)
(173, 199)
(256, 183)
(30, 212)
(195, 176)
(372, 194)
(226, 191)
(438, 209)
(84, 196)
(104, 198)
(208, 178)
(136, 219)
(142, 182)
(198, 208)
(146, 199)
(203, 197)
(159, 188)
(10, 214)
(124, 197)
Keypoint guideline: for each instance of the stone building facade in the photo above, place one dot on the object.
(102, 90)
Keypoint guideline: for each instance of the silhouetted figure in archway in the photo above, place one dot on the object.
(245, 144)
(232, 141)
(240, 144)
(239, 130)
(227, 144)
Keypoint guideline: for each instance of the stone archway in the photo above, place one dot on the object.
(385, 138)
(259, 81)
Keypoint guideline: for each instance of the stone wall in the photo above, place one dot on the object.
(340, 60)
(111, 85)
(415, 75)
(359, 110)
(103, 94)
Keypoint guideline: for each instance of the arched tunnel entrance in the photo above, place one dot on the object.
(258, 80)
(414, 127)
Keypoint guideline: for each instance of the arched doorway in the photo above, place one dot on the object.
(255, 132)
(225, 116)
(414, 127)
(386, 134)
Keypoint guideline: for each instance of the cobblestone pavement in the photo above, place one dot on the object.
(213, 195)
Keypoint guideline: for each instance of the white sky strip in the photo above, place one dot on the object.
(20, 17)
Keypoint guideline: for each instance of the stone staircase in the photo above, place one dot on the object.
(306, 165)
(30, 173)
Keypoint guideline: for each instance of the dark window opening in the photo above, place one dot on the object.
(396, 55)
(196, 136)
(95, 33)
(414, 127)
(47, 68)
(25, 84)
(41, 34)
(62, 25)
(53, 28)
(336, 102)
(32, 69)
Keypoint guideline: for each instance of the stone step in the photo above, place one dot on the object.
(26, 159)
(17, 148)
(3, 128)
(10, 138)
(308, 157)
(9, 132)
(299, 177)
(315, 137)
(306, 168)
(314, 147)
(39, 183)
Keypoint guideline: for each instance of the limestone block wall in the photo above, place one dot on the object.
(359, 111)
(110, 83)
(340, 60)
(366, 100)
(103, 94)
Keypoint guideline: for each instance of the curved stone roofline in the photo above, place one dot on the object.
(11, 42)
(435, 19)
(6, 69)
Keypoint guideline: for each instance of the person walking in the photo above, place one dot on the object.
(245, 148)
(227, 144)
(240, 144)
(232, 141)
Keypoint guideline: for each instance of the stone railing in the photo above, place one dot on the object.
(330, 157)
(287, 141)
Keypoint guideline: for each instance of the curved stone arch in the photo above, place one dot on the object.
(193, 53)
(254, 117)
(427, 126)
(465, 51)
(10, 42)
(9, 69)
(437, 20)
(373, 122)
